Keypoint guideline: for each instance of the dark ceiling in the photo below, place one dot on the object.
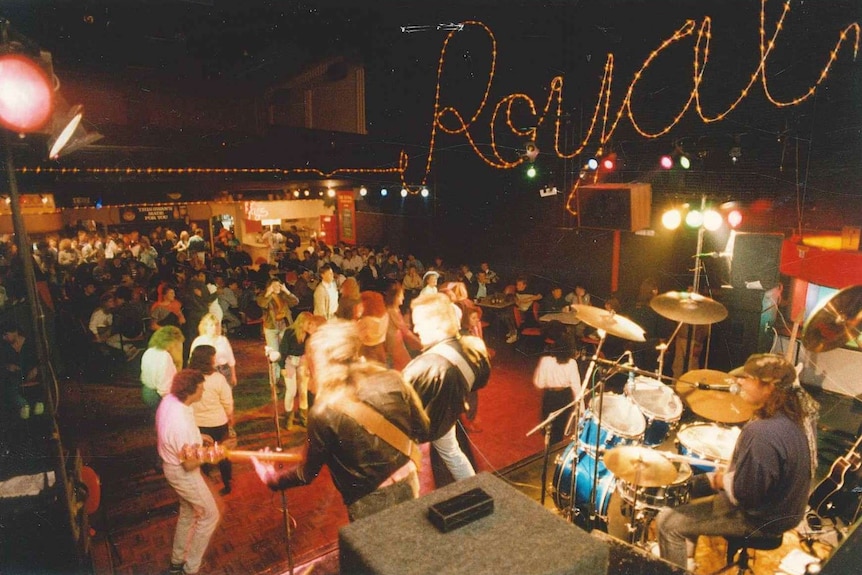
(254, 44)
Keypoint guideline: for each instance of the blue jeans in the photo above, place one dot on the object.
(451, 454)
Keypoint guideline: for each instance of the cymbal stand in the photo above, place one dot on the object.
(636, 529)
(546, 427)
(662, 348)
(272, 359)
(584, 387)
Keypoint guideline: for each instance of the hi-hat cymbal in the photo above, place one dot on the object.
(688, 307)
(640, 466)
(721, 405)
(612, 323)
(836, 322)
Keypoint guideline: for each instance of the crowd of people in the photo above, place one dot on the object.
(377, 353)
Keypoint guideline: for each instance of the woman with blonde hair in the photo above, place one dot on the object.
(294, 367)
(209, 329)
(162, 360)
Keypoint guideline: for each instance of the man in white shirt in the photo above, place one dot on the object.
(326, 294)
(199, 515)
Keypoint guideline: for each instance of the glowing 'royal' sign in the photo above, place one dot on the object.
(459, 124)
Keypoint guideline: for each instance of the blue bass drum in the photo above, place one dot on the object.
(576, 475)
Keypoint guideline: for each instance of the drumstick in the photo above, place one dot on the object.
(694, 460)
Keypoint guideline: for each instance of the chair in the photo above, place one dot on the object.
(529, 329)
(741, 545)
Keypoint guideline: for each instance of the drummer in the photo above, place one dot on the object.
(765, 488)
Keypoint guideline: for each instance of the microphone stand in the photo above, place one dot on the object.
(546, 427)
(284, 511)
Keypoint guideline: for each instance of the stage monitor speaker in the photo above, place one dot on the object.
(519, 536)
(615, 206)
(755, 258)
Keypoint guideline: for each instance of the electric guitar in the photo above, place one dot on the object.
(216, 452)
(822, 499)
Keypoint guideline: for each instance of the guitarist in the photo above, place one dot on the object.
(365, 426)
(765, 489)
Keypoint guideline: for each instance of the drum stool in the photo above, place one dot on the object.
(742, 545)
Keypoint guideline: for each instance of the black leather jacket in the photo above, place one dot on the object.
(441, 385)
(357, 460)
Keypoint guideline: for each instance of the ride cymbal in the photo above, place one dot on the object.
(640, 466)
(712, 395)
(835, 322)
(610, 322)
(688, 307)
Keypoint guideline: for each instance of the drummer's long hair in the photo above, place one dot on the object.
(784, 399)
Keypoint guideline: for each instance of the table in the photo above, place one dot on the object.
(495, 309)
(564, 317)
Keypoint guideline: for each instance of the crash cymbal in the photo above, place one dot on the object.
(722, 404)
(835, 322)
(640, 466)
(612, 323)
(688, 307)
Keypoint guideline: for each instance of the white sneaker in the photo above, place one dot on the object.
(512, 338)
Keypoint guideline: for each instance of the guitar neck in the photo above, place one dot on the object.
(239, 454)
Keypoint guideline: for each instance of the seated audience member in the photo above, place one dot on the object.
(19, 374)
(360, 463)
(578, 296)
(554, 302)
(524, 303)
(492, 276)
(429, 282)
(481, 288)
(102, 327)
(227, 299)
(370, 276)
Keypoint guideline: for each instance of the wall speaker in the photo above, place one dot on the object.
(615, 206)
(755, 258)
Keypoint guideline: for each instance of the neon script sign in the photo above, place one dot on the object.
(452, 121)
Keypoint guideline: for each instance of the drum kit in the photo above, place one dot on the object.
(616, 474)
(613, 476)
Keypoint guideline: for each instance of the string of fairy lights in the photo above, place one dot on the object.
(449, 120)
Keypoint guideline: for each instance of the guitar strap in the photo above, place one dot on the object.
(456, 359)
(374, 423)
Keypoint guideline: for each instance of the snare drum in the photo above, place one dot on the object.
(622, 424)
(660, 406)
(656, 498)
(710, 442)
(584, 465)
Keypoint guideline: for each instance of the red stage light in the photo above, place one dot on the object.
(666, 162)
(608, 164)
(26, 94)
(734, 218)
